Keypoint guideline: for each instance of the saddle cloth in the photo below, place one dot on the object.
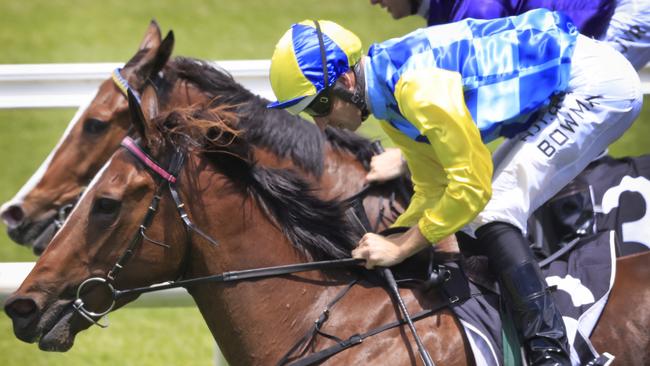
(583, 279)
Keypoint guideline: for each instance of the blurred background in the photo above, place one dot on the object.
(72, 31)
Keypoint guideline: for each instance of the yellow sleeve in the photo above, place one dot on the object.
(432, 100)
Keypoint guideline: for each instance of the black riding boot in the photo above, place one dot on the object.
(534, 314)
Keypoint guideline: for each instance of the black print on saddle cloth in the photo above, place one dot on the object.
(610, 194)
(583, 281)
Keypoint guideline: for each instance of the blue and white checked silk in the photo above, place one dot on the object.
(510, 67)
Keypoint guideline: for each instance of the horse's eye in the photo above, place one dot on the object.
(94, 126)
(106, 206)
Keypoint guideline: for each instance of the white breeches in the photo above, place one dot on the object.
(602, 100)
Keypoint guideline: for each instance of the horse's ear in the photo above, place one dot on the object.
(149, 103)
(154, 60)
(152, 36)
(143, 122)
(163, 54)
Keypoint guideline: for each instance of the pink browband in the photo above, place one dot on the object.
(130, 145)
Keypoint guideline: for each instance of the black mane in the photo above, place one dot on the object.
(317, 228)
(282, 133)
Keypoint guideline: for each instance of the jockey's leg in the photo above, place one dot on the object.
(534, 314)
(629, 31)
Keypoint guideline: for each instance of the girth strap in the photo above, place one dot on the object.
(318, 357)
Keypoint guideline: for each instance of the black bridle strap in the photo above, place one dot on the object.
(180, 207)
(246, 274)
(137, 238)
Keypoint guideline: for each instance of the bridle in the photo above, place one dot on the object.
(162, 176)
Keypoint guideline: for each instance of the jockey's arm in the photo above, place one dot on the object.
(386, 166)
(452, 175)
(432, 100)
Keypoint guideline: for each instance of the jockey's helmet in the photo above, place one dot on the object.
(297, 73)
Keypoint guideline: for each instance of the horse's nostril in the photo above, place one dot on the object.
(20, 308)
(13, 216)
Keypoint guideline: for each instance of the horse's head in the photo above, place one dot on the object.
(35, 213)
(103, 234)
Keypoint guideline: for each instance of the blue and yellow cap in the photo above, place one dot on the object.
(297, 67)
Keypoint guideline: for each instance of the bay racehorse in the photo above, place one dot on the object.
(195, 203)
(34, 214)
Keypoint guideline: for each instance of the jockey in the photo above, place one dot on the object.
(442, 93)
(624, 24)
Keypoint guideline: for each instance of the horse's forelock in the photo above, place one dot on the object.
(201, 129)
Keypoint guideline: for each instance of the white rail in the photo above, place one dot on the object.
(68, 85)
(13, 274)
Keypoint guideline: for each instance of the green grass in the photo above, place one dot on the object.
(39, 31)
(43, 31)
(136, 337)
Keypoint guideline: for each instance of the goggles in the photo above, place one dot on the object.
(321, 106)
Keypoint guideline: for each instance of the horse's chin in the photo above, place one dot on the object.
(59, 329)
(60, 337)
(41, 242)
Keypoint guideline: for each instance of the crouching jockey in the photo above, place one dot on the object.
(442, 93)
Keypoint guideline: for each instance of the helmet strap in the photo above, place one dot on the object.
(358, 95)
(323, 55)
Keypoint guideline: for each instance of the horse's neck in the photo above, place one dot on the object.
(343, 175)
(185, 94)
(255, 321)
